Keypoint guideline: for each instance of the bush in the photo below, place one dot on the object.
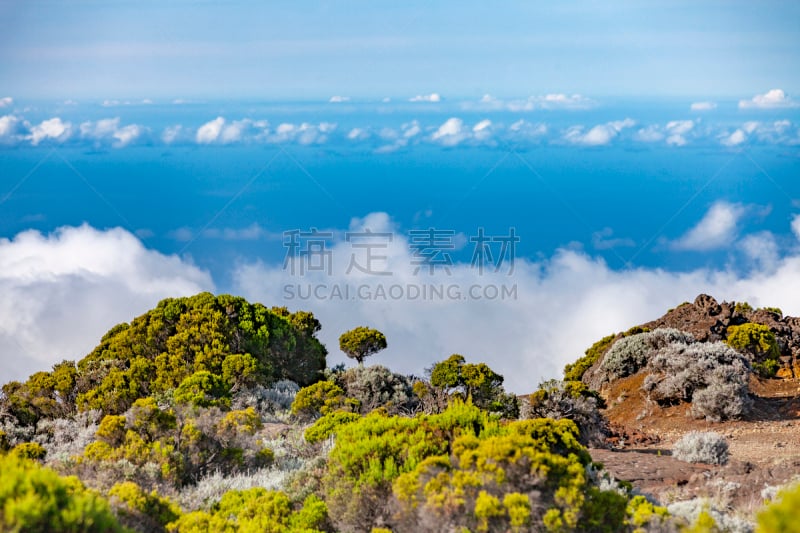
(377, 386)
(256, 509)
(630, 354)
(572, 400)
(702, 447)
(781, 515)
(34, 498)
(713, 376)
(29, 450)
(327, 425)
(142, 511)
(576, 370)
(464, 469)
(758, 342)
(275, 399)
(318, 399)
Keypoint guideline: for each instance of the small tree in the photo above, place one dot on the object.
(362, 342)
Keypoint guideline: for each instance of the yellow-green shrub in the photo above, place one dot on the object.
(34, 498)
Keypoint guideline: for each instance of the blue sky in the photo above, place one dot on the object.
(308, 50)
(642, 152)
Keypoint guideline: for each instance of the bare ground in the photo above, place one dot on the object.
(764, 447)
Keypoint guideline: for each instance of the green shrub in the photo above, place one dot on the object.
(254, 510)
(320, 398)
(203, 389)
(246, 344)
(140, 510)
(463, 468)
(759, 343)
(327, 425)
(34, 498)
(29, 450)
(476, 382)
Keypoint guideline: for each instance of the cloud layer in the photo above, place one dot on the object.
(488, 121)
(64, 290)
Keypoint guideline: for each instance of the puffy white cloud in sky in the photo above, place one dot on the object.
(53, 128)
(109, 129)
(210, 131)
(6, 101)
(734, 139)
(774, 98)
(703, 106)
(8, 126)
(432, 98)
(677, 130)
(336, 99)
(599, 135)
(63, 291)
(450, 133)
(717, 229)
(563, 304)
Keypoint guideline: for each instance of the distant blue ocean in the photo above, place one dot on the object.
(619, 201)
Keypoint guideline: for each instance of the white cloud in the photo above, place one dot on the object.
(450, 133)
(772, 99)
(599, 135)
(531, 103)
(52, 128)
(108, 129)
(171, 134)
(253, 232)
(358, 134)
(210, 131)
(433, 98)
(703, 106)
(6, 101)
(561, 101)
(734, 139)
(649, 134)
(482, 131)
(796, 226)
(563, 305)
(761, 250)
(62, 291)
(336, 99)
(677, 130)
(522, 129)
(8, 126)
(605, 240)
(305, 133)
(411, 129)
(717, 228)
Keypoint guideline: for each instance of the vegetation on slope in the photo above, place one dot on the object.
(211, 413)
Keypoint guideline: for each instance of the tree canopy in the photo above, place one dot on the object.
(361, 342)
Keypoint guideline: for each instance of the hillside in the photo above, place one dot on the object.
(212, 413)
